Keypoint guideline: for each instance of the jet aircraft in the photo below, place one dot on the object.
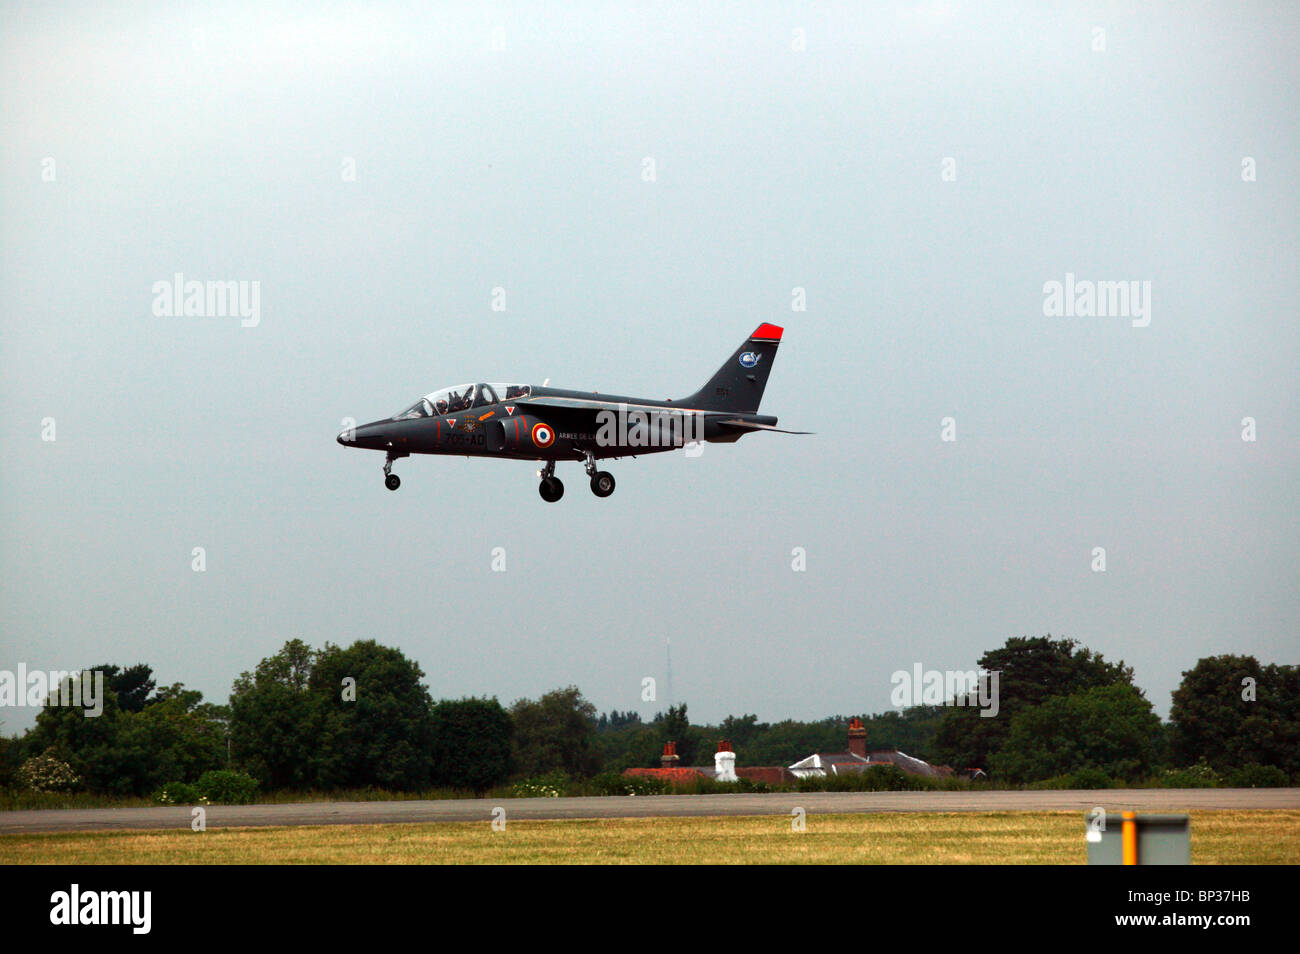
(531, 422)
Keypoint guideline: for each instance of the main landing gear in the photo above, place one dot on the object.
(391, 480)
(552, 488)
(602, 481)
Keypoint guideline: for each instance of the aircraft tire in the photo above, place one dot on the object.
(551, 489)
(392, 481)
(602, 483)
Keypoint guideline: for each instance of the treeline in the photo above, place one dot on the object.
(360, 718)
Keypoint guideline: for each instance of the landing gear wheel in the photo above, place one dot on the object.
(551, 489)
(391, 480)
(602, 483)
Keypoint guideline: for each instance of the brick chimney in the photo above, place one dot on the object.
(670, 758)
(857, 737)
(724, 762)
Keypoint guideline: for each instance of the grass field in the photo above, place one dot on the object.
(1220, 837)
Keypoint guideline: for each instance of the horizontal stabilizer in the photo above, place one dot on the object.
(751, 426)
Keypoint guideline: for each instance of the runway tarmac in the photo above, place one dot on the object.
(657, 806)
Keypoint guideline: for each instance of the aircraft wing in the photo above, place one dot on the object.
(593, 406)
(588, 404)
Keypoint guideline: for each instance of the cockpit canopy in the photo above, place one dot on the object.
(461, 398)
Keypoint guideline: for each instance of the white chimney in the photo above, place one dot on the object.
(724, 762)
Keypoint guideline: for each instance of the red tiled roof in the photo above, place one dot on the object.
(667, 774)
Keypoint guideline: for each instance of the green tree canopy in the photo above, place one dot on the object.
(295, 723)
(1112, 728)
(613, 721)
(132, 685)
(1231, 711)
(174, 737)
(377, 724)
(275, 724)
(634, 745)
(471, 743)
(1031, 670)
(556, 733)
(676, 727)
(788, 741)
(912, 730)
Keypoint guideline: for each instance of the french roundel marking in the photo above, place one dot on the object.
(543, 435)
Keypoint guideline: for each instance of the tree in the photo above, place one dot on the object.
(615, 721)
(471, 743)
(1031, 670)
(292, 725)
(1231, 711)
(181, 735)
(132, 685)
(740, 731)
(788, 741)
(10, 759)
(381, 731)
(556, 733)
(633, 746)
(93, 746)
(174, 737)
(676, 727)
(275, 723)
(1108, 728)
(912, 731)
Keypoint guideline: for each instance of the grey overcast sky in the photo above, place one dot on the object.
(794, 146)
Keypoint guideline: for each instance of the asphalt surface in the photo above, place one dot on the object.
(657, 806)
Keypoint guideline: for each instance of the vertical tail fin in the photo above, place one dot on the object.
(738, 384)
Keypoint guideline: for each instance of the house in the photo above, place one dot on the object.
(858, 759)
(670, 768)
(723, 769)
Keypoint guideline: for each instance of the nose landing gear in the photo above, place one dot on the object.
(391, 480)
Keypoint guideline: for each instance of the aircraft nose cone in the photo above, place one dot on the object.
(374, 436)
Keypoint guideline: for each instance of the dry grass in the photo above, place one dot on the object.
(1223, 837)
